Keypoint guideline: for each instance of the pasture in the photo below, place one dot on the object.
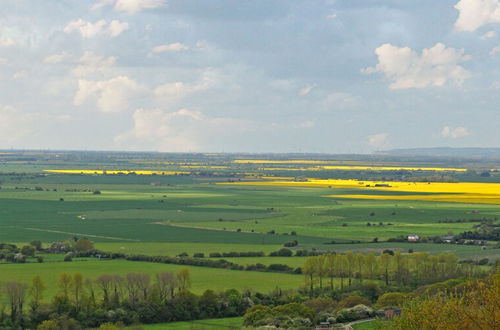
(211, 324)
(202, 278)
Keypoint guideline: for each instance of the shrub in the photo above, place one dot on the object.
(387, 251)
(199, 255)
(352, 301)
(391, 299)
(281, 253)
(320, 304)
(68, 257)
(28, 250)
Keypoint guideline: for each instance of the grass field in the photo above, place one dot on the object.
(212, 324)
(202, 278)
(371, 325)
(175, 248)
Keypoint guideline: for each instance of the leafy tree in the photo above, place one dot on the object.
(36, 292)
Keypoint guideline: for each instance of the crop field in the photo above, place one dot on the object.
(140, 205)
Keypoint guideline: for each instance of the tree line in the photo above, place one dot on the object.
(410, 269)
(132, 298)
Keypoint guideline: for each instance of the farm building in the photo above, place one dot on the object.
(413, 238)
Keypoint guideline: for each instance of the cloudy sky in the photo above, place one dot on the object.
(249, 75)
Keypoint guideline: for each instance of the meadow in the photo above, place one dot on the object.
(202, 278)
(210, 324)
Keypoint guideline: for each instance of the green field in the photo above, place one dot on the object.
(202, 278)
(175, 248)
(211, 213)
(212, 324)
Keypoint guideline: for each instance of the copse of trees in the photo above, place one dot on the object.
(400, 269)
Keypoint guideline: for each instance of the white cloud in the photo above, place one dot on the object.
(99, 28)
(111, 95)
(331, 16)
(307, 124)
(495, 51)
(488, 35)
(406, 68)
(306, 90)
(378, 140)
(7, 42)
(454, 133)
(19, 75)
(475, 13)
(339, 100)
(14, 124)
(56, 58)
(176, 91)
(130, 6)
(182, 130)
(91, 63)
(173, 47)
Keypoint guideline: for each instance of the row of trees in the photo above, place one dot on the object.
(86, 300)
(216, 263)
(134, 298)
(402, 269)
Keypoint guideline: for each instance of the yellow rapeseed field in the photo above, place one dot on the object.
(464, 192)
(342, 165)
(138, 172)
(364, 168)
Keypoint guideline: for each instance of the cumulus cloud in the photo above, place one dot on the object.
(454, 133)
(378, 140)
(14, 124)
(56, 58)
(179, 131)
(173, 47)
(130, 6)
(7, 42)
(170, 93)
(307, 124)
(99, 28)
(111, 95)
(475, 13)
(20, 75)
(406, 68)
(306, 90)
(495, 51)
(90, 63)
(488, 35)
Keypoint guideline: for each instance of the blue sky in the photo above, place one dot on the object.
(333, 76)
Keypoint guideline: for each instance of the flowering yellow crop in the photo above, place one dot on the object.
(138, 172)
(342, 165)
(465, 192)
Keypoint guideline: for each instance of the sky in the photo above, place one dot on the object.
(332, 76)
